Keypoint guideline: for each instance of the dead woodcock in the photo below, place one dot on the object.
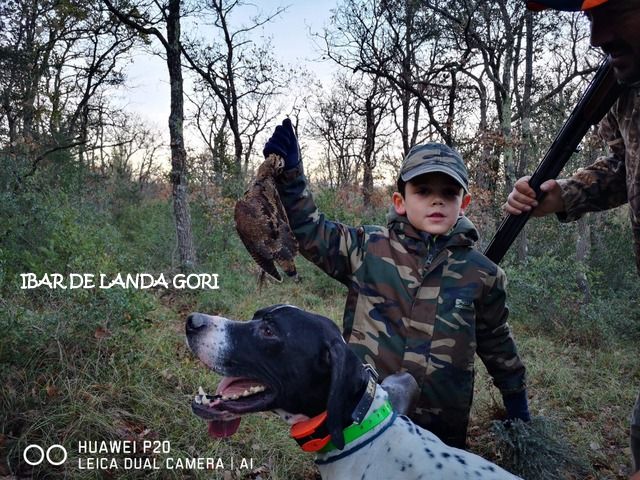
(262, 222)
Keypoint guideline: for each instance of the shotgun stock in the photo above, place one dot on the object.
(598, 98)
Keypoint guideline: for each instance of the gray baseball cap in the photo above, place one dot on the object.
(434, 157)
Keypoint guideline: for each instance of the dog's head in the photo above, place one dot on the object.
(284, 358)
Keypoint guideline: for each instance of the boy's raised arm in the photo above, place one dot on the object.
(332, 246)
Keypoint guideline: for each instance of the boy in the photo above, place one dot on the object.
(420, 298)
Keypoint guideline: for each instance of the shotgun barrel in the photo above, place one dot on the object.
(598, 98)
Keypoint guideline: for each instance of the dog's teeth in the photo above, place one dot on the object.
(251, 391)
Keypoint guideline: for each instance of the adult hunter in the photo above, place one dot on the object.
(614, 179)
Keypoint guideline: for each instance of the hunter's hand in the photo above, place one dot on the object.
(523, 199)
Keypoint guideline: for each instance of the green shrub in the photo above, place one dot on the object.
(537, 450)
(345, 206)
(542, 294)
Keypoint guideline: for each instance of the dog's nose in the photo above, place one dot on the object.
(195, 322)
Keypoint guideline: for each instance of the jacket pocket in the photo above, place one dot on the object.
(423, 312)
(454, 336)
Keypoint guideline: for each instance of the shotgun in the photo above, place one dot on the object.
(597, 99)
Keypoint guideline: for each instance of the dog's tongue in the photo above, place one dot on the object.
(223, 428)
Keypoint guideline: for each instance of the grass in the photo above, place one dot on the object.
(105, 366)
(585, 396)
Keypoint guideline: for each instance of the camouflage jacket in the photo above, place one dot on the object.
(614, 179)
(414, 304)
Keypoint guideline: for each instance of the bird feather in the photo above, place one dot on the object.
(262, 222)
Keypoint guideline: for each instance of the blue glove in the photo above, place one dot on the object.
(517, 406)
(283, 142)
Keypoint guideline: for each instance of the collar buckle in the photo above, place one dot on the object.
(372, 371)
(367, 398)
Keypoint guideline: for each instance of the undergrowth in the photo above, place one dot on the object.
(113, 365)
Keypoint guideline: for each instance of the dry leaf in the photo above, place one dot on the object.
(52, 391)
(101, 333)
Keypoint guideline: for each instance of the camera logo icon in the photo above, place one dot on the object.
(39, 457)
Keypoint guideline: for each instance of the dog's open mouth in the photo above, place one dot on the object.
(235, 396)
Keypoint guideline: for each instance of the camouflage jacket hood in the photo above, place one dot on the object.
(463, 233)
(415, 303)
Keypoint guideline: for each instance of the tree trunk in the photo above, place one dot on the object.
(178, 153)
(369, 149)
(526, 145)
(484, 174)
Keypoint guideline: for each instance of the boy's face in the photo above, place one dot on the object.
(432, 202)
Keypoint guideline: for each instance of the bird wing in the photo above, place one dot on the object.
(256, 232)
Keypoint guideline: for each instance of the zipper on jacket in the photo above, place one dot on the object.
(431, 246)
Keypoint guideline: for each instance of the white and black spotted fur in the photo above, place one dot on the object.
(307, 368)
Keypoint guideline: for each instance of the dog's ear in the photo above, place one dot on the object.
(345, 379)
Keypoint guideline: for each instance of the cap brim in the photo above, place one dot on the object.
(431, 168)
(564, 5)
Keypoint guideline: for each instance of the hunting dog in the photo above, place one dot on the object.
(297, 364)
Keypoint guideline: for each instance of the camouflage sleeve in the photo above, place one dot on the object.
(601, 185)
(495, 345)
(332, 246)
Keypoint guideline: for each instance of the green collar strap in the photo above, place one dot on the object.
(357, 430)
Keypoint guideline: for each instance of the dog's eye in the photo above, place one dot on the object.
(267, 331)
